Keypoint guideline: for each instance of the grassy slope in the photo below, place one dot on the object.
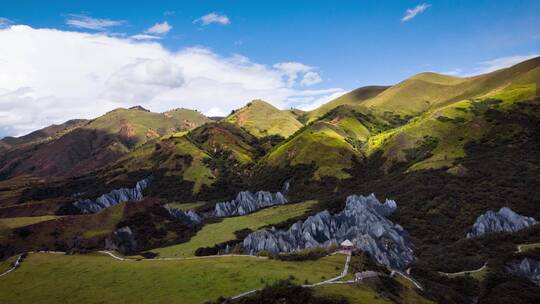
(453, 125)
(262, 119)
(353, 98)
(331, 143)
(190, 118)
(223, 231)
(47, 278)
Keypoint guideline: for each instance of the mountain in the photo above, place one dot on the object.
(446, 149)
(261, 119)
(353, 98)
(47, 133)
(86, 146)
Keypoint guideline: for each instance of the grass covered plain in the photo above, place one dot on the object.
(223, 231)
(93, 278)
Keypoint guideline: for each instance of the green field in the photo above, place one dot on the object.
(223, 231)
(16, 222)
(92, 278)
(185, 206)
(526, 247)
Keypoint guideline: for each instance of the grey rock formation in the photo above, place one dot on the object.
(527, 268)
(125, 240)
(112, 198)
(505, 220)
(248, 202)
(363, 221)
(190, 217)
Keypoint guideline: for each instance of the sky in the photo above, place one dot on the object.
(61, 60)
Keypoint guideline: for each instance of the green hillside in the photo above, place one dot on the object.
(91, 145)
(353, 98)
(262, 119)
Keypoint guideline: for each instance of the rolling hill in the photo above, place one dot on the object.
(261, 119)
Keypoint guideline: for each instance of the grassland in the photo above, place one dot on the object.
(527, 247)
(48, 278)
(185, 206)
(16, 222)
(223, 231)
(262, 119)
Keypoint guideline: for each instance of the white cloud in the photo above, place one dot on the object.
(312, 104)
(291, 71)
(311, 78)
(213, 18)
(85, 22)
(502, 62)
(144, 37)
(84, 75)
(215, 112)
(412, 12)
(4, 22)
(159, 28)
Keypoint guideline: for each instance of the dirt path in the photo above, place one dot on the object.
(463, 272)
(116, 257)
(329, 281)
(17, 263)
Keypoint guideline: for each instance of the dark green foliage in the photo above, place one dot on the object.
(284, 292)
(422, 150)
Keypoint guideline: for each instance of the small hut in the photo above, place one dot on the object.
(347, 245)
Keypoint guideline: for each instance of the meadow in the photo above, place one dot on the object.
(96, 278)
(223, 231)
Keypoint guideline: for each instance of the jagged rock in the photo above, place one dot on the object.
(363, 221)
(125, 240)
(505, 220)
(190, 217)
(112, 198)
(527, 268)
(248, 202)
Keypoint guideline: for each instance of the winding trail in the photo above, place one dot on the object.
(17, 263)
(464, 272)
(329, 281)
(119, 258)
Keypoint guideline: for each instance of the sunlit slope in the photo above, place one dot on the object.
(262, 119)
(436, 139)
(353, 98)
(330, 143)
(430, 90)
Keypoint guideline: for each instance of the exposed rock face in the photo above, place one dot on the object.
(190, 217)
(248, 202)
(505, 220)
(527, 268)
(114, 197)
(363, 221)
(125, 240)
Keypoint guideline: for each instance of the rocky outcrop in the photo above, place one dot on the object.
(112, 198)
(505, 220)
(363, 221)
(125, 240)
(526, 268)
(190, 217)
(248, 202)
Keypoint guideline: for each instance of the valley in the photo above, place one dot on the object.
(435, 177)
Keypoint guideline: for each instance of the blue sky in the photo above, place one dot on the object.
(342, 46)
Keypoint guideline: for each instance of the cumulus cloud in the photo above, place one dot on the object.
(311, 78)
(412, 12)
(84, 75)
(291, 71)
(89, 23)
(4, 22)
(159, 28)
(213, 18)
